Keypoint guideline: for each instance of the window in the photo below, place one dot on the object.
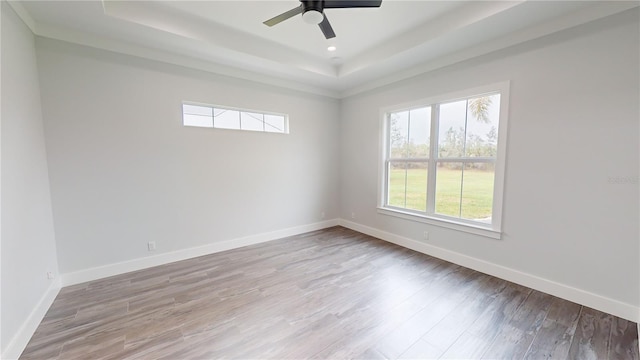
(443, 160)
(226, 118)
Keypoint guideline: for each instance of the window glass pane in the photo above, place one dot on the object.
(197, 120)
(398, 134)
(416, 198)
(397, 184)
(451, 133)
(274, 123)
(196, 110)
(226, 119)
(251, 121)
(448, 186)
(419, 129)
(477, 191)
(193, 115)
(482, 126)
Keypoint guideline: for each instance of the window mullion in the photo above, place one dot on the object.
(464, 153)
(406, 175)
(433, 155)
(406, 155)
(387, 154)
(387, 174)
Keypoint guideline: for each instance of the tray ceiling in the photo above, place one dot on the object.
(374, 46)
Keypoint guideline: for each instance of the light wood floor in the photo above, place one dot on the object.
(332, 294)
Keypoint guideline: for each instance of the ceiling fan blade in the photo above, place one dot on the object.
(340, 4)
(284, 16)
(326, 28)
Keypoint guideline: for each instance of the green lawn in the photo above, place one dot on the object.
(477, 193)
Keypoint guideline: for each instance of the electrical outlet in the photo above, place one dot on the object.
(322, 215)
(353, 215)
(151, 246)
(50, 275)
(426, 235)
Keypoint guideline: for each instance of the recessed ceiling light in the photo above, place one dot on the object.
(332, 48)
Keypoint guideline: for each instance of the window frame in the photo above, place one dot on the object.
(493, 230)
(240, 112)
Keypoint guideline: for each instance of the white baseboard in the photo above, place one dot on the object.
(595, 301)
(20, 340)
(169, 257)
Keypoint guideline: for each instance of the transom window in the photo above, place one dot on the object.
(211, 116)
(444, 159)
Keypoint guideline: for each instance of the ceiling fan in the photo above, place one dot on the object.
(312, 12)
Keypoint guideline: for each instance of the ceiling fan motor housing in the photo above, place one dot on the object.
(313, 5)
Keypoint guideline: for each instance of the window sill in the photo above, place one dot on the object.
(459, 226)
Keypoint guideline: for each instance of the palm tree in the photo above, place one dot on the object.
(479, 107)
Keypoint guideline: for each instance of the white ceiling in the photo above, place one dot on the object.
(375, 45)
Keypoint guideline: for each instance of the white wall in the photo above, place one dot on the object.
(28, 243)
(124, 171)
(573, 124)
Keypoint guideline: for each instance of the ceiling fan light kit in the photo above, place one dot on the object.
(313, 17)
(313, 12)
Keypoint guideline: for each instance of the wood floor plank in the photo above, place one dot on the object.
(517, 334)
(624, 340)
(37, 351)
(328, 294)
(478, 337)
(403, 337)
(149, 347)
(370, 354)
(400, 309)
(95, 344)
(447, 331)
(591, 340)
(554, 338)
(367, 333)
(422, 349)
